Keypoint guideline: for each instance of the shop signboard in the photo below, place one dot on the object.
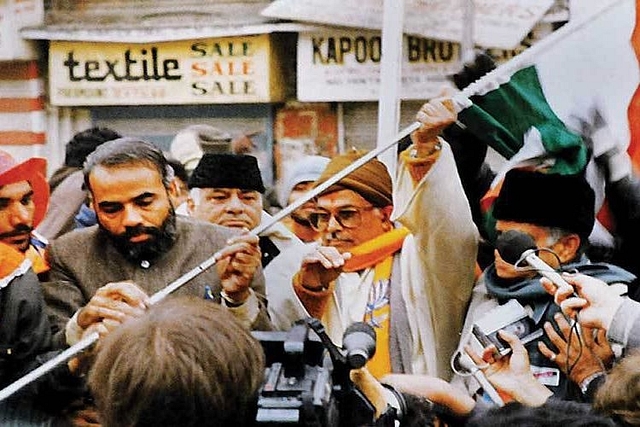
(204, 71)
(344, 65)
(498, 23)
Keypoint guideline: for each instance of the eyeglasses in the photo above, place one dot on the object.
(300, 220)
(347, 217)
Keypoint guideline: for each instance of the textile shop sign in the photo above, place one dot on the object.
(209, 71)
(498, 24)
(345, 66)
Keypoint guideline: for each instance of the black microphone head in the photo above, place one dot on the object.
(360, 327)
(359, 342)
(512, 244)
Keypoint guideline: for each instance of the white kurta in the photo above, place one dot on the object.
(283, 305)
(437, 263)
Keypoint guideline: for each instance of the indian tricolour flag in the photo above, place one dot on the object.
(571, 97)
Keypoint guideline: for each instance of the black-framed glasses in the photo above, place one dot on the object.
(350, 217)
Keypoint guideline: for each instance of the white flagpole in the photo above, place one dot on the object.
(467, 45)
(390, 75)
(92, 338)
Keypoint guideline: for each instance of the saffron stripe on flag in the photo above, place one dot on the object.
(633, 112)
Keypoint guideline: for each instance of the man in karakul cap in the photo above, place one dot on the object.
(24, 198)
(227, 189)
(410, 280)
(557, 212)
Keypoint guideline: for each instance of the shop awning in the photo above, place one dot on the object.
(153, 34)
(154, 22)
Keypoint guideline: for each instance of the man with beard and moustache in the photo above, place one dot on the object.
(102, 275)
(24, 198)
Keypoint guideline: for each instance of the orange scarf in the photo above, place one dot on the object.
(10, 259)
(375, 250)
(378, 253)
(38, 261)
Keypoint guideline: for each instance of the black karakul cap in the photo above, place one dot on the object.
(227, 171)
(551, 200)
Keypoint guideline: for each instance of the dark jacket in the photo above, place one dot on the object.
(530, 293)
(623, 197)
(24, 328)
(85, 260)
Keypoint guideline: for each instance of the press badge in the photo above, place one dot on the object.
(547, 375)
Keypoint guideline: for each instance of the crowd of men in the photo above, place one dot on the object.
(95, 251)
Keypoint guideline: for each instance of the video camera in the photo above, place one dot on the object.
(511, 317)
(307, 379)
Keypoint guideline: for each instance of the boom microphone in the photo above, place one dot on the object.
(515, 246)
(359, 343)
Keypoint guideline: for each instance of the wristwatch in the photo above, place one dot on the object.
(584, 385)
(230, 302)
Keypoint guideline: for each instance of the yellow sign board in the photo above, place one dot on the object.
(205, 71)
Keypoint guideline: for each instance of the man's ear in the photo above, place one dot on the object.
(568, 248)
(191, 205)
(387, 210)
(386, 217)
(91, 202)
(174, 188)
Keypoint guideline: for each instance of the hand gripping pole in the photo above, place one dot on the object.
(89, 340)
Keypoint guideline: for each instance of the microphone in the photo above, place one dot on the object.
(359, 343)
(515, 246)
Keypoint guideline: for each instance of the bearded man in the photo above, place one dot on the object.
(102, 275)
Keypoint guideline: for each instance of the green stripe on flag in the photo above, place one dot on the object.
(503, 116)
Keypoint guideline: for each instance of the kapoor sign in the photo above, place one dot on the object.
(345, 66)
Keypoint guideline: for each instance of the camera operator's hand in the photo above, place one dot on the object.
(371, 388)
(597, 303)
(84, 417)
(582, 355)
(321, 267)
(512, 373)
(434, 389)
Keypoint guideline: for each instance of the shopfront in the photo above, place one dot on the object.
(344, 66)
(153, 90)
